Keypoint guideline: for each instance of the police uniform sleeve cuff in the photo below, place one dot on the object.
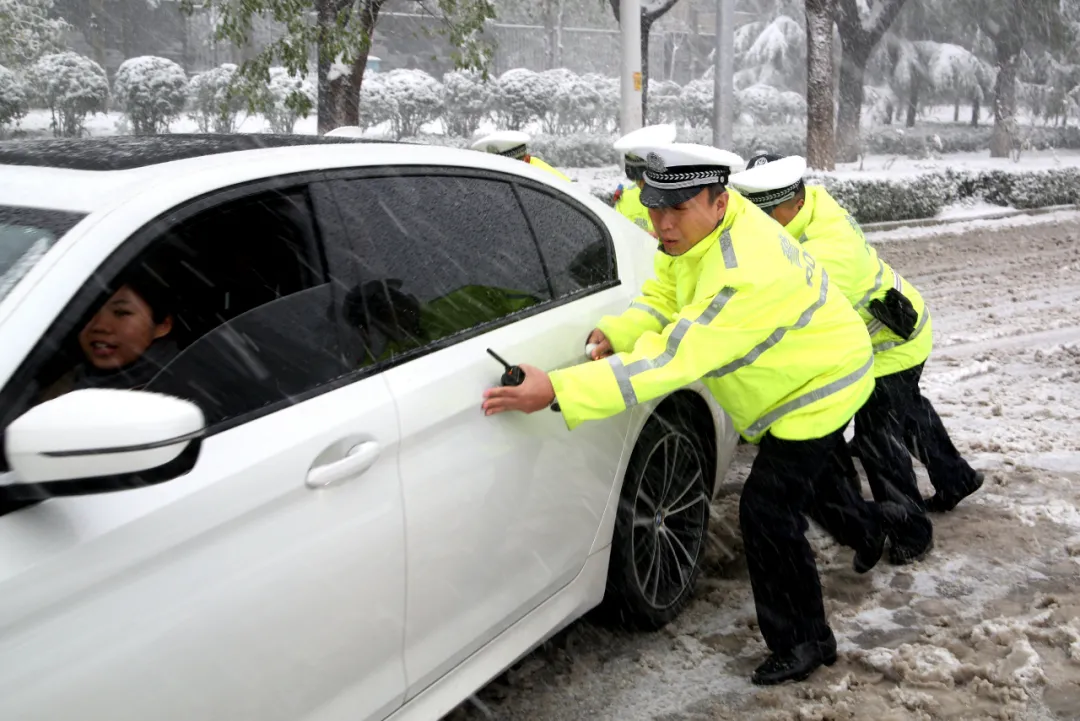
(586, 392)
(621, 332)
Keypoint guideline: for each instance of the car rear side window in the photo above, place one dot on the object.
(26, 234)
(574, 246)
(431, 256)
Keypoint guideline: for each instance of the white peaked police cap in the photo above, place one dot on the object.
(676, 172)
(511, 143)
(770, 180)
(347, 131)
(649, 135)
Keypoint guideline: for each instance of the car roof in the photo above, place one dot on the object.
(133, 151)
(36, 174)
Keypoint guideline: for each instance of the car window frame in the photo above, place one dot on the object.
(18, 391)
(590, 215)
(374, 172)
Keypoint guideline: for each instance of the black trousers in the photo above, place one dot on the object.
(788, 481)
(879, 441)
(926, 439)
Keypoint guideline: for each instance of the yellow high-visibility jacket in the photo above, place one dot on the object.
(538, 163)
(628, 202)
(834, 238)
(751, 315)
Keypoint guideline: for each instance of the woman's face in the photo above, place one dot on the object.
(121, 331)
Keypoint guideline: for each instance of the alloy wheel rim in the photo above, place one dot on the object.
(669, 514)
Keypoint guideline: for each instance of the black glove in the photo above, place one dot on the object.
(896, 312)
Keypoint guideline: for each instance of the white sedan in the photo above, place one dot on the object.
(246, 474)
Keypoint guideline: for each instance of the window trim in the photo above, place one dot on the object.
(605, 234)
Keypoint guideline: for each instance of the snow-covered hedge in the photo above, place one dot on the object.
(377, 105)
(211, 100)
(71, 86)
(13, 103)
(151, 91)
(925, 195)
(417, 98)
(466, 101)
(284, 100)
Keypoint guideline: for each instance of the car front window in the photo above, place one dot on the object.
(26, 234)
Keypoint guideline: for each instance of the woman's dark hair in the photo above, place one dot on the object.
(149, 286)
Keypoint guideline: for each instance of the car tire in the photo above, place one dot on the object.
(661, 525)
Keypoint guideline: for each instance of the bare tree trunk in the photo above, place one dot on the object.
(956, 110)
(548, 15)
(1008, 57)
(857, 42)
(333, 91)
(913, 100)
(127, 29)
(820, 147)
(975, 112)
(852, 93)
(558, 32)
(646, 28)
(97, 31)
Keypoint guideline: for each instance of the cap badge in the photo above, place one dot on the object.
(655, 163)
(760, 161)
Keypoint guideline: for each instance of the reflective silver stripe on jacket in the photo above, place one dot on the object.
(728, 250)
(651, 311)
(874, 327)
(761, 424)
(875, 289)
(890, 344)
(623, 373)
(774, 337)
(623, 379)
(898, 283)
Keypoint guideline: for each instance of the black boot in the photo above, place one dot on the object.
(868, 556)
(796, 664)
(911, 534)
(944, 502)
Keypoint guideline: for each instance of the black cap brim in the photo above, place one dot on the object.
(652, 197)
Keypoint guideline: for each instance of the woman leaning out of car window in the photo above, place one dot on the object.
(127, 341)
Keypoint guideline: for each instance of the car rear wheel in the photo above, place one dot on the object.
(661, 526)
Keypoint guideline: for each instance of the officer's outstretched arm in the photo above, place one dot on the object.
(704, 337)
(652, 311)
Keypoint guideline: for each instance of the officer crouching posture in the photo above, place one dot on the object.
(900, 329)
(738, 305)
(628, 195)
(514, 144)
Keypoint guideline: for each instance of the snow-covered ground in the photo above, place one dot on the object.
(987, 627)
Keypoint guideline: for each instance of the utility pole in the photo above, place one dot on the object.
(630, 75)
(724, 75)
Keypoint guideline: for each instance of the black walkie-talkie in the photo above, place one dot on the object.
(513, 375)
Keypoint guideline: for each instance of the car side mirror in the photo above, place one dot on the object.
(96, 440)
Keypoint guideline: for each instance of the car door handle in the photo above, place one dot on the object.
(358, 459)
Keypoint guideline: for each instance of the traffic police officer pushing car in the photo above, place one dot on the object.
(628, 195)
(900, 329)
(514, 144)
(737, 304)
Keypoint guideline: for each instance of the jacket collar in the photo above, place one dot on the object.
(798, 225)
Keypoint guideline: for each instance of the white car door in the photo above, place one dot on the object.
(266, 583)
(500, 512)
